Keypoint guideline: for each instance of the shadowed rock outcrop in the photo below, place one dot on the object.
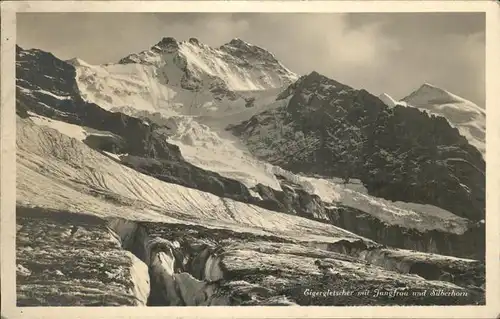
(295, 200)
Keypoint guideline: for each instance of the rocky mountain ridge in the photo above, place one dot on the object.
(399, 153)
(236, 65)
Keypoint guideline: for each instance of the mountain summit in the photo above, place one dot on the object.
(429, 93)
(175, 77)
(239, 64)
(466, 116)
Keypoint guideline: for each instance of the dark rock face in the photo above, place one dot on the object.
(292, 200)
(166, 45)
(186, 174)
(168, 42)
(330, 129)
(194, 41)
(191, 82)
(112, 144)
(249, 102)
(220, 90)
(471, 244)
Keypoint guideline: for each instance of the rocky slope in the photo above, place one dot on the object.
(330, 129)
(179, 225)
(417, 229)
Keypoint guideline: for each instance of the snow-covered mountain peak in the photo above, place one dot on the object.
(388, 100)
(237, 42)
(237, 64)
(466, 116)
(431, 94)
(315, 74)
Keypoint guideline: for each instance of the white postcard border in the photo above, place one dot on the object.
(8, 172)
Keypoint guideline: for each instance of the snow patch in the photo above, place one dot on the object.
(59, 97)
(388, 100)
(115, 156)
(70, 130)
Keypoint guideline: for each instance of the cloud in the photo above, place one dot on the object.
(318, 41)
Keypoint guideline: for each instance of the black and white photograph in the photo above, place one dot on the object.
(180, 159)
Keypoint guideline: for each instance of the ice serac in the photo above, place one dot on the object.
(78, 252)
(466, 116)
(329, 129)
(195, 265)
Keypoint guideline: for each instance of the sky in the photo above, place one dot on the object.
(390, 53)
